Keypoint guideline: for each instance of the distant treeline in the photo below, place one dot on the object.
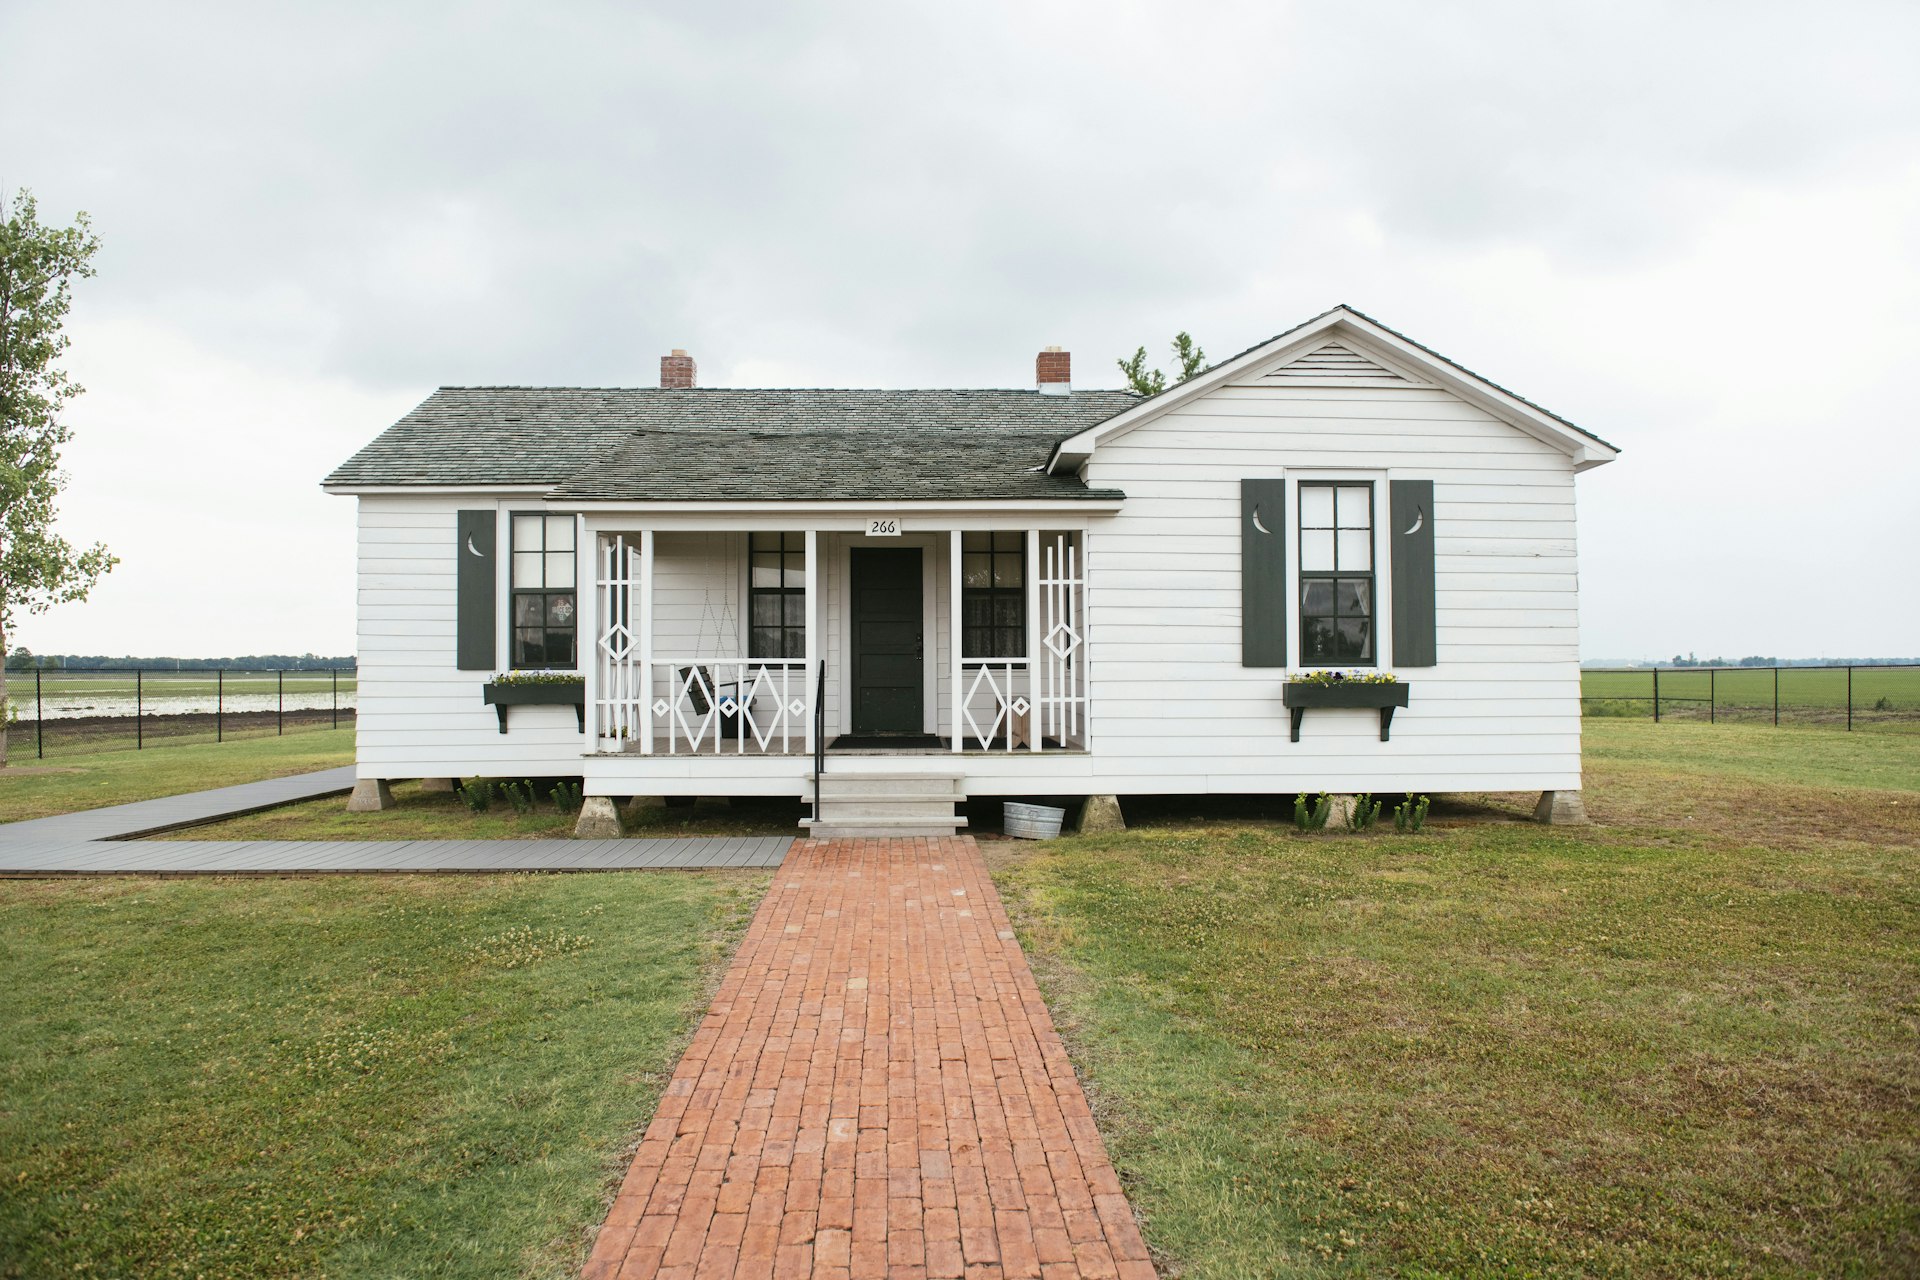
(1757, 661)
(22, 659)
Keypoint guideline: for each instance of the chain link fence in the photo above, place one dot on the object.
(1879, 697)
(74, 710)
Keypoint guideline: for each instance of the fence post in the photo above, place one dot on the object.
(280, 713)
(1656, 695)
(1712, 696)
(39, 719)
(219, 704)
(139, 709)
(1849, 699)
(1776, 697)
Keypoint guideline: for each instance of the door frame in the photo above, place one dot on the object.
(930, 635)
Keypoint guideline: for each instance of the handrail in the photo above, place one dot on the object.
(819, 733)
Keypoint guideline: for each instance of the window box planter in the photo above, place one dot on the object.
(551, 693)
(1300, 695)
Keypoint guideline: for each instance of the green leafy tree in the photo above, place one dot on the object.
(1151, 382)
(38, 567)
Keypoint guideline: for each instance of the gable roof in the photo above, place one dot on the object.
(1351, 329)
(726, 444)
(721, 444)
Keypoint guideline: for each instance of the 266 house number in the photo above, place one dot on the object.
(884, 527)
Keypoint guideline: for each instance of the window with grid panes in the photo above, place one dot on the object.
(993, 594)
(777, 595)
(545, 610)
(1336, 573)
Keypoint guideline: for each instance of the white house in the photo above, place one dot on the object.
(943, 594)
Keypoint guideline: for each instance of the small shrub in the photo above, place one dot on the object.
(566, 797)
(1884, 704)
(1412, 815)
(1365, 812)
(1312, 817)
(478, 794)
(519, 795)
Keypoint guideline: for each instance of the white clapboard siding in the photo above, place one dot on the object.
(1500, 711)
(699, 595)
(1171, 706)
(417, 715)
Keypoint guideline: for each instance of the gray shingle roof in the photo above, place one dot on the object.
(720, 443)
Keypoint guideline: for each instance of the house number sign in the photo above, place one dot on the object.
(883, 527)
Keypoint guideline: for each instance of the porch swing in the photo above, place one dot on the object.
(697, 681)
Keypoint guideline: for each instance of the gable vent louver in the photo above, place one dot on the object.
(1335, 363)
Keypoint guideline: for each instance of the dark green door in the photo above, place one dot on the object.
(886, 640)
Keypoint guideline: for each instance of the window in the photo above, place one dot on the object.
(544, 612)
(1336, 573)
(993, 595)
(777, 595)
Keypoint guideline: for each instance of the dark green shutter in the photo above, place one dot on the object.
(477, 615)
(1415, 642)
(1263, 573)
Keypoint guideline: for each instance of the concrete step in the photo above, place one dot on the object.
(888, 806)
(941, 801)
(848, 827)
(837, 785)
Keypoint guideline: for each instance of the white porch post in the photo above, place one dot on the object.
(956, 690)
(809, 674)
(586, 624)
(643, 634)
(1036, 716)
(1084, 624)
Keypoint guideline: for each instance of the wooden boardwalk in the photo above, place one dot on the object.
(104, 842)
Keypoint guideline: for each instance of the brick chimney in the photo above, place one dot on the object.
(677, 370)
(1053, 371)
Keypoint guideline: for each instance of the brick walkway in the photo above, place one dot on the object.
(877, 1091)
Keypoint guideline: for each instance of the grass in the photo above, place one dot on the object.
(353, 1077)
(87, 781)
(1683, 1042)
(1883, 697)
(425, 815)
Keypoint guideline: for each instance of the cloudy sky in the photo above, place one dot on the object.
(1690, 228)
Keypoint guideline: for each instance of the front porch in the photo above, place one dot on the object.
(853, 636)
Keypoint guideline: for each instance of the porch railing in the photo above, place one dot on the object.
(740, 706)
(995, 709)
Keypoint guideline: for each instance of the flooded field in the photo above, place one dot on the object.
(116, 695)
(83, 711)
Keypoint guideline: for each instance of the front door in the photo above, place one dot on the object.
(886, 640)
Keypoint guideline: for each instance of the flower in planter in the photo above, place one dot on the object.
(1342, 677)
(511, 679)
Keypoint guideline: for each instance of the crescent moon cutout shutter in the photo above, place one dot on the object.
(476, 613)
(1415, 639)
(1263, 573)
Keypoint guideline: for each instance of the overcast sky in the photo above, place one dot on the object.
(1690, 228)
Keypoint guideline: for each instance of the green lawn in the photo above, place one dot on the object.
(427, 815)
(352, 1077)
(1883, 697)
(31, 789)
(1683, 1042)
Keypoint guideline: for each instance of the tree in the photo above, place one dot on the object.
(38, 567)
(1151, 382)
